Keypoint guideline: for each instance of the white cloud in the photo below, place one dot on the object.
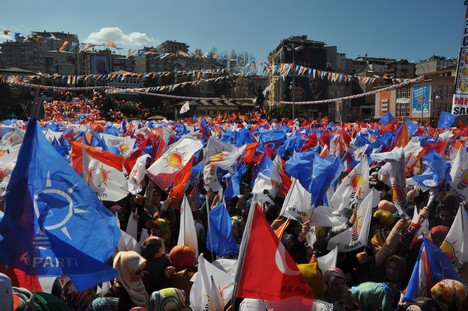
(132, 40)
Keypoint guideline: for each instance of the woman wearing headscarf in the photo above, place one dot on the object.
(337, 291)
(372, 296)
(64, 288)
(452, 293)
(168, 299)
(128, 286)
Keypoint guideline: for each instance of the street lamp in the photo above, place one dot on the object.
(294, 48)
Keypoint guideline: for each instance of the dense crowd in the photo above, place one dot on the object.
(158, 273)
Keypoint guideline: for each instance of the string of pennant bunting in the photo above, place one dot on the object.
(242, 68)
(331, 100)
(152, 90)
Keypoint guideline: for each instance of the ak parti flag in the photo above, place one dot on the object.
(165, 169)
(267, 270)
(53, 223)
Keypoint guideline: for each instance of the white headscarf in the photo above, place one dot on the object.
(129, 265)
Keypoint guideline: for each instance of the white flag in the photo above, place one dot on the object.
(201, 287)
(222, 154)
(104, 174)
(296, 204)
(356, 236)
(263, 189)
(165, 169)
(187, 232)
(329, 260)
(455, 246)
(7, 164)
(137, 174)
(353, 188)
(459, 174)
(185, 107)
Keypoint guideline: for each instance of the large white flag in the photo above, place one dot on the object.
(104, 174)
(459, 174)
(296, 204)
(222, 154)
(137, 174)
(356, 236)
(187, 232)
(397, 161)
(455, 245)
(200, 294)
(329, 260)
(353, 188)
(164, 170)
(7, 164)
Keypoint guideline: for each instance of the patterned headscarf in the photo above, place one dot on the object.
(450, 292)
(74, 299)
(130, 266)
(168, 299)
(371, 296)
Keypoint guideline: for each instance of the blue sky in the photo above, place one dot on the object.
(409, 29)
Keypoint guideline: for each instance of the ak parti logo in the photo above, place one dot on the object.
(463, 181)
(398, 194)
(356, 181)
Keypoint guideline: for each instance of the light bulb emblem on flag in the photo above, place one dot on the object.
(398, 194)
(99, 176)
(463, 181)
(175, 160)
(356, 181)
(220, 156)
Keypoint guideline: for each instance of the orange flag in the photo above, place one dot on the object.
(181, 182)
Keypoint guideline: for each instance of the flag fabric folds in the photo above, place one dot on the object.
(220, 238)
(105, 174)
(446, 119)
(47, 205)
(356, 236)
(432, 266)
(187, 232)
(459, 174)
(267, 270)
(202, 294)
(164, 170)
(185, 107)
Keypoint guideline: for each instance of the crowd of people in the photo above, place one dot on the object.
(158, 275)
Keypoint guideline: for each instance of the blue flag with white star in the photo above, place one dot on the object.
(53, 222)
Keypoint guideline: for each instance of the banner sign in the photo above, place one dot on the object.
(461, 81)
(420, 101)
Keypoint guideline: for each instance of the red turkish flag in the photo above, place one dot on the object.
(268, 270)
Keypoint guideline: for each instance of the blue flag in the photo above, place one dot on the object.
(387, 118)
(411, 127)
(53, 223)
(432, 266)
(446, 119)
(324, 172)
(435, 170)
(233, 188)
(300, 167)
(220, 232)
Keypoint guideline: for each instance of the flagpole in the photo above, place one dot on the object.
(243, 247)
